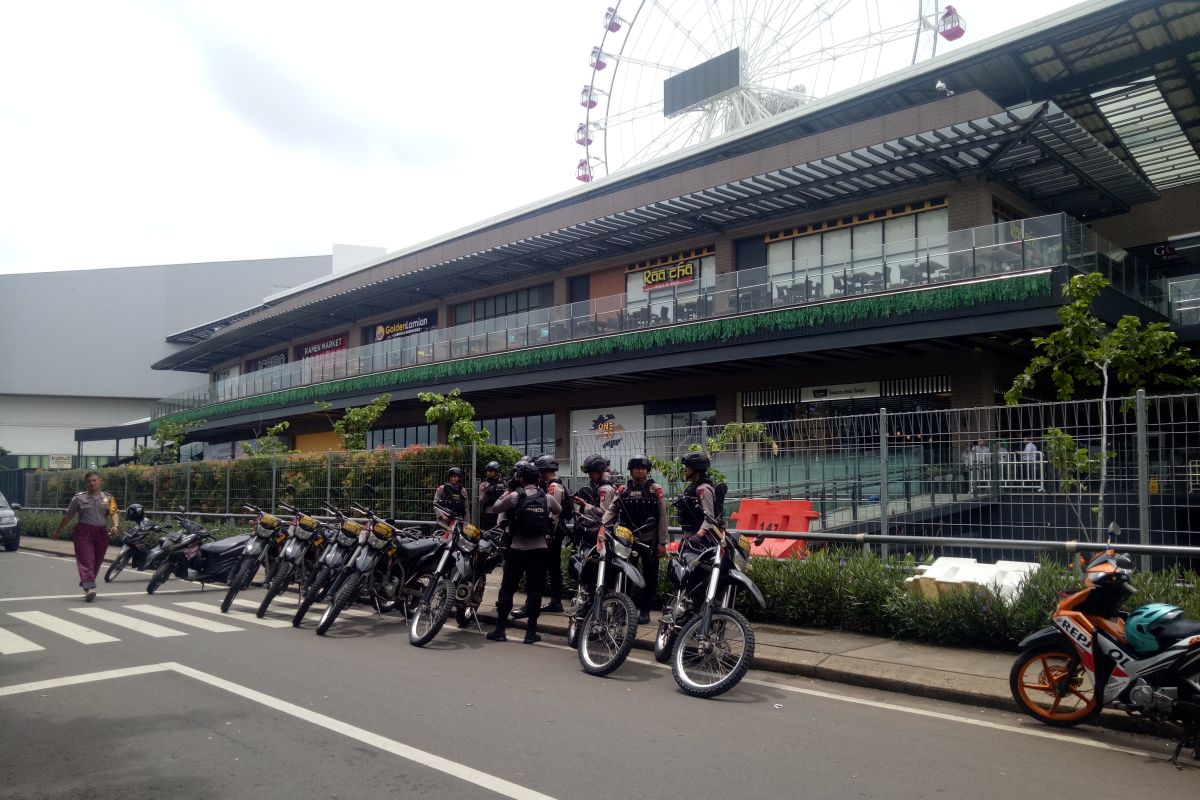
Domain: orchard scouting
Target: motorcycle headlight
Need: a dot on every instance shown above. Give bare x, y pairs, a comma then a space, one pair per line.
471, 533
307, 523
375, 541
467, 545
351, 528
622, 549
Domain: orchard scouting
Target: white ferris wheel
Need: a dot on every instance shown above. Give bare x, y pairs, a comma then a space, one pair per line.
666, 75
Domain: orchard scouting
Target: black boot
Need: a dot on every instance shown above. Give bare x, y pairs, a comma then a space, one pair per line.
498, 635
531, 634
555, 606
521, 613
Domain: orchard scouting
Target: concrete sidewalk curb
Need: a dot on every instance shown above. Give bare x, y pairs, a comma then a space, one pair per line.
917, 681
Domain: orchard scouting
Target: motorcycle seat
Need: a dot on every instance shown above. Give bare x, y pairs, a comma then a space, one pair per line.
222, 546
414, 550
1179, 628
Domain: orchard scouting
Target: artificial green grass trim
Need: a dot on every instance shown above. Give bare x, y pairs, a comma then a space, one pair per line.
861, 309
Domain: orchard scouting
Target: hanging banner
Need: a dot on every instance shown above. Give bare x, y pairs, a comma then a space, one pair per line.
840, 391
679, 274
401, 327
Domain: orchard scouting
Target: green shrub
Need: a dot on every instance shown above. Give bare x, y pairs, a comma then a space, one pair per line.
40, 524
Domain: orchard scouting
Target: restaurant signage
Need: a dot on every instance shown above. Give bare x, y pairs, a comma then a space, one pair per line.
840, 391
328, 344
665, 277
271, 360
401, 327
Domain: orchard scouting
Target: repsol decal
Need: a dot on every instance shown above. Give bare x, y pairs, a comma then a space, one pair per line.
1072, 630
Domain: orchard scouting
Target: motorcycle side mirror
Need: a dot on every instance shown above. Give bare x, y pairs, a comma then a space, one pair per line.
180, 510
1114, 530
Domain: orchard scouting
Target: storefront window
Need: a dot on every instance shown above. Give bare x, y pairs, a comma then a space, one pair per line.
502, 305
424, 435
531, 434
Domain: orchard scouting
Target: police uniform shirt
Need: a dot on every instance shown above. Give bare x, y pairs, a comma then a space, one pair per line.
92, 510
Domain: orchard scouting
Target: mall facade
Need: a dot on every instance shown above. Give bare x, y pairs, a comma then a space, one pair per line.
893, 246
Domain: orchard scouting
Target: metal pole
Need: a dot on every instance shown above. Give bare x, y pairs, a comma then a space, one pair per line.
392, 483
228, 483
187, 487
883, 480
329, 476
473, 489
1143, 476
154, 487
704, 437
274, 476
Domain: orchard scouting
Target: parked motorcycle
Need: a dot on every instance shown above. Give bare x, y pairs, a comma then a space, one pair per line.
603, 622
708, 643
385, 571
134, 549
188, 553
1145, 662
464, 558
298, 557
260, 549
342, 544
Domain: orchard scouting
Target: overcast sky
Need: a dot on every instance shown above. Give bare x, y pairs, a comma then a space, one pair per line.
165, 131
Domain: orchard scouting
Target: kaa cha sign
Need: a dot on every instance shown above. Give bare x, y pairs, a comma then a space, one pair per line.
666, 277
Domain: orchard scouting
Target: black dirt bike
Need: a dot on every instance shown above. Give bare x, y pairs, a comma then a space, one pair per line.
464, 556
603, 622
261, 549
134, 549
298, 557
341, 546
708, 643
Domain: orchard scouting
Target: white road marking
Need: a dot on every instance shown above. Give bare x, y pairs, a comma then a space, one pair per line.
443, 765
184, 619
11, 643
73, 680
42, 555
100, 595
240, 616
319, 608
132, 623
63, 627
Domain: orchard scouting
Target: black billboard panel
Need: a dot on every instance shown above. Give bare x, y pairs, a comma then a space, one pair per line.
696, 86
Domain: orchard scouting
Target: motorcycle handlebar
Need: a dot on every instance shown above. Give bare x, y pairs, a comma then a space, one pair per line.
360, 509
289, 509
252, 509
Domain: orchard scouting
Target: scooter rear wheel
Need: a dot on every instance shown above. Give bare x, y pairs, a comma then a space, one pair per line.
1048, 689
118, 564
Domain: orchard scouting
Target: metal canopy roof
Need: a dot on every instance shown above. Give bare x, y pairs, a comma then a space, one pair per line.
1034, 148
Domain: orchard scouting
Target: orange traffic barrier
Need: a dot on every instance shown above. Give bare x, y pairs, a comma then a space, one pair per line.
793, 516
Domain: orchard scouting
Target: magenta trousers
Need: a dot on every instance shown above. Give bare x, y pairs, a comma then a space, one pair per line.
91, 544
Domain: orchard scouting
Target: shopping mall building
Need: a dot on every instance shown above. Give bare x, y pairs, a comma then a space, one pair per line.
896, 245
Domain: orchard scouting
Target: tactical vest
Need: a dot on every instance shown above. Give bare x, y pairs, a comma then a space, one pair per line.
454, 499
691, 517
637, 506
590, 494
488, 498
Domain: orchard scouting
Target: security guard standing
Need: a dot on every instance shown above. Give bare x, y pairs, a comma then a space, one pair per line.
452, 495
642, 506
548, 477
594, 499
490, 490
699, 498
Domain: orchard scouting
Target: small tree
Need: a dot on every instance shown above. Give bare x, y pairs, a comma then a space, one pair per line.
672, 471
459, 416
269, 444
169, 436
354, 423
1087, 352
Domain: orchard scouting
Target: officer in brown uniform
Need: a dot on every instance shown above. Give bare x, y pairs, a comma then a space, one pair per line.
98, 518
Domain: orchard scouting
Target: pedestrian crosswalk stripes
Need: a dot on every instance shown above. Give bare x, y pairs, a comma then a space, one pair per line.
179, 617
240, 616
11, 643
132, 623
291, 601
63, 627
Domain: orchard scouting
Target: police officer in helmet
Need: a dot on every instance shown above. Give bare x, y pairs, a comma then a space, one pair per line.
594, 499
699, 498
490, 490
529, 510
641, 505
547, 468
452, 495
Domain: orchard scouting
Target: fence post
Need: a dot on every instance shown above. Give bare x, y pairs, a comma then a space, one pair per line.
883, 480
154, 487
274, 478
329, 476
187, 487
127, 500
473, 489
228, 483
704, 437
392, 483
1143, 476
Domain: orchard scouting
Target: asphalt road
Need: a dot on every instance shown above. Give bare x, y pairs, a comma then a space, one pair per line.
274, 712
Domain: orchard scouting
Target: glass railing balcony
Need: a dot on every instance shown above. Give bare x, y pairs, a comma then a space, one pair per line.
1185, 301
975, 253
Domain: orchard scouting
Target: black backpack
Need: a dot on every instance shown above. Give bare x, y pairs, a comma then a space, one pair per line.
531, 518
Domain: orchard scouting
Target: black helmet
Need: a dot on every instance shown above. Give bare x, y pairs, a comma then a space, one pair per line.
595, 464
454, 471
527, 473
697, 461
546, 464
135, 512
638, 462
492, 466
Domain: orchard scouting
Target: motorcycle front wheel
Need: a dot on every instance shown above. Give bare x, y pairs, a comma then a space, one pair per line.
160, 577
119, 563
713, 665
241, 578
430, 617
607, 634
573, 631
342, 600
664, 641
1048, 688
311, 594
283, 576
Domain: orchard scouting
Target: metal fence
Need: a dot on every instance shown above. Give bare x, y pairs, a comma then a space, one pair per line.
981, 473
